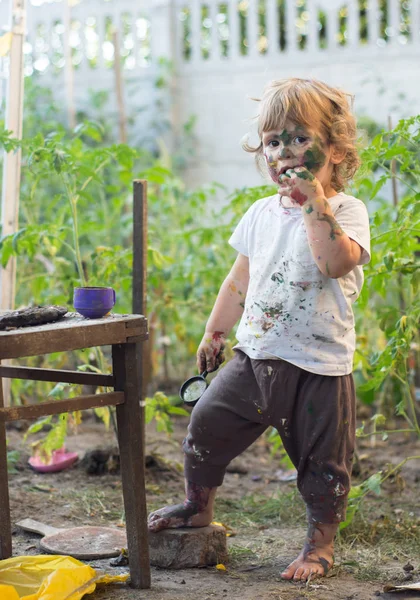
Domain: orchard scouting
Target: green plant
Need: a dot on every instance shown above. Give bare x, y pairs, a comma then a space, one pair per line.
160, 409
372, 484
390, 298
12, 458
388, 310
55, 438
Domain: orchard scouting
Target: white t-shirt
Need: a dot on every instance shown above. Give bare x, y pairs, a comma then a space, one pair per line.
293, 311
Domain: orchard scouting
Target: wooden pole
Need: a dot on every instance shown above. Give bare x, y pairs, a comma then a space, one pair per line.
131, 428
5, 524
393, 171
140, 272
68, 67
119, 88
139, 246
12, 160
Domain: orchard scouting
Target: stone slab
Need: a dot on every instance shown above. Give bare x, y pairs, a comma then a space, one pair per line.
188, 547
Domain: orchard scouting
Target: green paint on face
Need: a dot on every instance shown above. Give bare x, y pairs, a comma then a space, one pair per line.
314, 158
327, 268
286, 137
309, 209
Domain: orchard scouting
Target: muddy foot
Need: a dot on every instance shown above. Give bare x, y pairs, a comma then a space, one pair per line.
180, 515
315, 563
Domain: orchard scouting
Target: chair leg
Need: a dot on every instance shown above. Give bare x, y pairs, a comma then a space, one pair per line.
5, 526
131, 427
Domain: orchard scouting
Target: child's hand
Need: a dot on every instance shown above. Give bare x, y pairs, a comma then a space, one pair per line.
210, 351
300, 185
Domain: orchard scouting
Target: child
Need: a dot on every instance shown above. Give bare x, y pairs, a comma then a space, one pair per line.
298, 272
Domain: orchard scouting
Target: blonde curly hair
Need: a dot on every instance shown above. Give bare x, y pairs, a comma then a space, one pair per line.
318, 106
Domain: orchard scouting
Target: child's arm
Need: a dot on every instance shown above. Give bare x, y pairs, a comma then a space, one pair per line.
333, 251
227, 309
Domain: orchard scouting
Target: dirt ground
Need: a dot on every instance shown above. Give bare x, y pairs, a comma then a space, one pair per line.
266, 514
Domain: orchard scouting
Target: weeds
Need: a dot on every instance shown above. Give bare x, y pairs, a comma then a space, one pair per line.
94, 504
392, 536
237, 552
368, 572
256, 509
12, 459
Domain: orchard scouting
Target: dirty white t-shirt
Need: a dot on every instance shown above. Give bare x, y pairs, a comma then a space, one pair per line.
293, 311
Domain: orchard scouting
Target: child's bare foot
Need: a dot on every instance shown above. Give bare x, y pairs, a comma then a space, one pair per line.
311, 564
196, 511
317, 556
179, 515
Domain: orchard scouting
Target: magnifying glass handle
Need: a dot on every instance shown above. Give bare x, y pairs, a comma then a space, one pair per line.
204, 374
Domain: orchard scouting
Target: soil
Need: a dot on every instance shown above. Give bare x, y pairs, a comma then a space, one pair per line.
261, 547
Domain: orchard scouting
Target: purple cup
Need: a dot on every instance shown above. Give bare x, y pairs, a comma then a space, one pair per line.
93, 302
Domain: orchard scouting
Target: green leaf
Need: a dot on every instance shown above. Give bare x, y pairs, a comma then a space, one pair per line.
389, 260
90, 129
15, 239
56, 437
356, 491
58, 391
37, 426
176, 410
6, 250
360, 431
378, 419
89, 367
60, 159
378, 186
373, 483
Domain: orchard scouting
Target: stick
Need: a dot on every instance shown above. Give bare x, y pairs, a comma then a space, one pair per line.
119, 87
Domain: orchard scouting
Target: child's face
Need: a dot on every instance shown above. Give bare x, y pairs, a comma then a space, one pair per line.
296, 146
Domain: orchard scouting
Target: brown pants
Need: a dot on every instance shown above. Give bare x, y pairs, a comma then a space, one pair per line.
314, 414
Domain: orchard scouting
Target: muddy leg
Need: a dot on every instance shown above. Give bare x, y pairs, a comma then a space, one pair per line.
317, 556
195, 511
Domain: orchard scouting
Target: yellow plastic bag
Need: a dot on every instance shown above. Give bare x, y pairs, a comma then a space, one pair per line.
7, 592
49, 578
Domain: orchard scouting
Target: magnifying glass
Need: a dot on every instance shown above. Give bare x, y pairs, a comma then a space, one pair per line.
192, 389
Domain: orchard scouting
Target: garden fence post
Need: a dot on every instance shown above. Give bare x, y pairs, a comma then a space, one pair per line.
12, 160
68, 66
119, 87
140, 274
